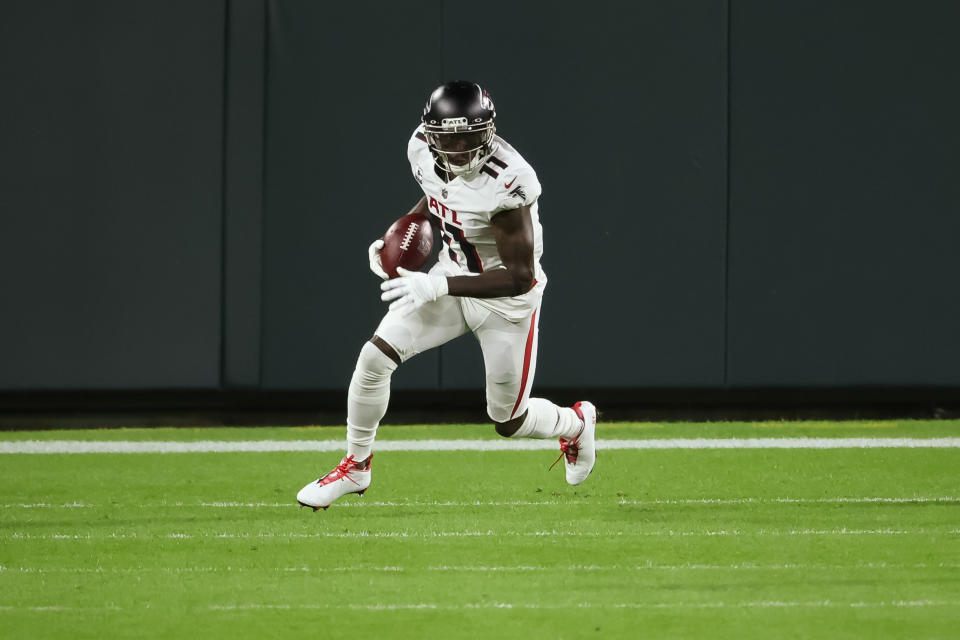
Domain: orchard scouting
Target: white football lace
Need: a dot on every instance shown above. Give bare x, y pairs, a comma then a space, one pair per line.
408, 236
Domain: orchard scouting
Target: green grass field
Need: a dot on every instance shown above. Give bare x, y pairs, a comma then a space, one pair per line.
679, 543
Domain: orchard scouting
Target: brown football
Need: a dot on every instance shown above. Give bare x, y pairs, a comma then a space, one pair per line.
407, 243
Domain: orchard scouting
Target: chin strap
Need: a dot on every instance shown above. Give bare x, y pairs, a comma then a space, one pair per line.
482, 157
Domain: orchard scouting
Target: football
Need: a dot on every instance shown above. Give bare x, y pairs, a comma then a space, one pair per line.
407, 243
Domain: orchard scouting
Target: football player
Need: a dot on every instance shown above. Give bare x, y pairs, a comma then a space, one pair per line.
483, 197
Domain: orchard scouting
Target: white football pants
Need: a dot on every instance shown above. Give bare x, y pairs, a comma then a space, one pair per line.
509, 356
509, 348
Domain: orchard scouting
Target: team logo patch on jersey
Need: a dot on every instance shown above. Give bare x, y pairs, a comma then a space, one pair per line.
419, 175
519, 192
443, 192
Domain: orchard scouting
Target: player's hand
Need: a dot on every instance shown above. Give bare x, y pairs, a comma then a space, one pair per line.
412, 289
374, 253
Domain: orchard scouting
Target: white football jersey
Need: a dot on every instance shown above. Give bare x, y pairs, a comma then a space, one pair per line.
464, 209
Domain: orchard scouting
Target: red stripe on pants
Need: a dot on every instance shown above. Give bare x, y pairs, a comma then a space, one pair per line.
527, 351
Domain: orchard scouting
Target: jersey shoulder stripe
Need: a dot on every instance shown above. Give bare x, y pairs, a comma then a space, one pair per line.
488, 167
419, 136
490, 171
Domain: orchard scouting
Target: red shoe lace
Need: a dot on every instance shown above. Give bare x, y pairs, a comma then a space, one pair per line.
569, 448
341, 471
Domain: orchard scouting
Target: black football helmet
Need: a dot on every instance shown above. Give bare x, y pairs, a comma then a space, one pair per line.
458, 125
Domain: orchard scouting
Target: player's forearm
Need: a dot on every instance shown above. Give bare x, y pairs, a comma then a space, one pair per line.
497, 283
420, 207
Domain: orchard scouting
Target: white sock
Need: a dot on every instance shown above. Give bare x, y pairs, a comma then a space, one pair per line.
547, 420
367, 400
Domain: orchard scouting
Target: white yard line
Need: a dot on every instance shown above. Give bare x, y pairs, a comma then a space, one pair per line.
223, 446
505, 503
834, 500
760, 604
575, 568
421, 535
55, 608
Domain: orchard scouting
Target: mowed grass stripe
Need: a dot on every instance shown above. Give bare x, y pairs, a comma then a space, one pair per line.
855, 543
262, 446
463, 431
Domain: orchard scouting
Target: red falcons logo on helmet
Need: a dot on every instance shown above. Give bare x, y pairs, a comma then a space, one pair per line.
485, 101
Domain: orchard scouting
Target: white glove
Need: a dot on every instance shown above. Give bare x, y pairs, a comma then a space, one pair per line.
374, 253
412, 289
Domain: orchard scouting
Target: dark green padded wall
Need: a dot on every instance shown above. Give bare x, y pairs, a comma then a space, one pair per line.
625, 124
620, 107
346, 83
845, 194
736, 194
110, 194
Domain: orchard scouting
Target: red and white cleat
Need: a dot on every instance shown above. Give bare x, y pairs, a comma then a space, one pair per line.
349, 476
581, 450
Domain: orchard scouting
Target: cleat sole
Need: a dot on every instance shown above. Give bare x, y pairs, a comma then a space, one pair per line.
315, 509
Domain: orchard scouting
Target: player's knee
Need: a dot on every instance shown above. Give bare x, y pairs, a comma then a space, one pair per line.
386, 348
373, 365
